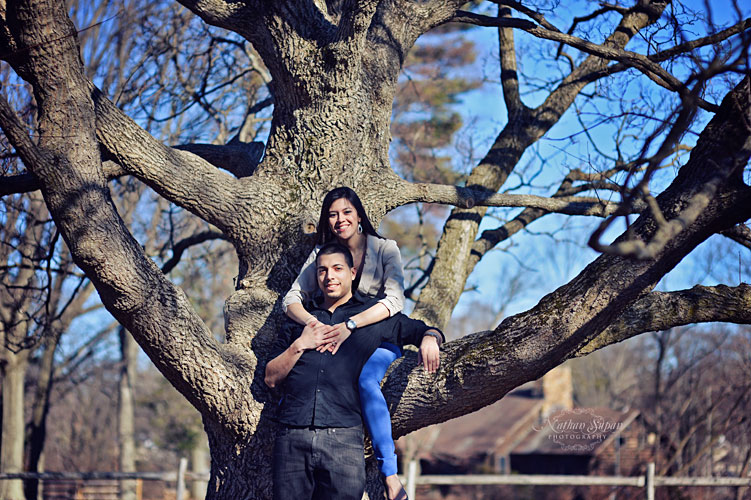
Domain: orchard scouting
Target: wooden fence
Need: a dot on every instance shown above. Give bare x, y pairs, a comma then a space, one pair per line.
103, 485
648, 481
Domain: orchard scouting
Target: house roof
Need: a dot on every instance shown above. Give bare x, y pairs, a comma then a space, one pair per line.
484, 430
513, 425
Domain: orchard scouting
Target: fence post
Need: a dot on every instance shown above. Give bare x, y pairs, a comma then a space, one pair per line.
181, 478
411, 479
650, 482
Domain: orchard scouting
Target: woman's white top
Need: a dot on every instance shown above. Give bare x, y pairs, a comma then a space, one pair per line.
382, 276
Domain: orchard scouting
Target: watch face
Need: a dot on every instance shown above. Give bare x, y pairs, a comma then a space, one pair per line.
351, 324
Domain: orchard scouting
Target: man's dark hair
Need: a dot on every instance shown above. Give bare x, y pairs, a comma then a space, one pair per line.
335, 247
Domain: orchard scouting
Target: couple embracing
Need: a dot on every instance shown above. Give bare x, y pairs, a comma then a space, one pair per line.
345, 328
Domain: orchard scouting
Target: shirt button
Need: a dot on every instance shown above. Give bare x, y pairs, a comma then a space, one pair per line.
318, 390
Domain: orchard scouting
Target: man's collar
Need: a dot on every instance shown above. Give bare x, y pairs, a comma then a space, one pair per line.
317, 301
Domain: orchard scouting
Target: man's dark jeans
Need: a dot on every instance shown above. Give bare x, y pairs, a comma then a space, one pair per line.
321, 463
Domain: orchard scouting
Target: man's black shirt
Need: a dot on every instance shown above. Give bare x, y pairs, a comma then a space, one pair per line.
321, 390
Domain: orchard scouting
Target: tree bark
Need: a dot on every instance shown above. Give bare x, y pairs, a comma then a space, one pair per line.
334, 71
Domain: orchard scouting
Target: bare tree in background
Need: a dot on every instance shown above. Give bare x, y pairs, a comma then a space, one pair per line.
333, 72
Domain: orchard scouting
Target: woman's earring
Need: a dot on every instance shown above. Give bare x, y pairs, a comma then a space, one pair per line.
359, 228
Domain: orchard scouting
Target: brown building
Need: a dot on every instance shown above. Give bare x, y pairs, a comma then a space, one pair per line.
533, 430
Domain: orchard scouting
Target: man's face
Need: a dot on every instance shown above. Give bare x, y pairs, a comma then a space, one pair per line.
334, 276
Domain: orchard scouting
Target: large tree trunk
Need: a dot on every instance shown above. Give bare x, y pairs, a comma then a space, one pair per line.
240, 465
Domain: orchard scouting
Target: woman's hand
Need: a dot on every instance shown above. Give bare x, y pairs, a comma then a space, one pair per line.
429, 354
313, 322
313, 336
338, 334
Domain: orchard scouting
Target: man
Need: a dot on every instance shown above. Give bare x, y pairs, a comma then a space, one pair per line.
319, 451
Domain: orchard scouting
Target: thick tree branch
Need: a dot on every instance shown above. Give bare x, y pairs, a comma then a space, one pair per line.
663, 310
179, 176
67, 161
21, 183
26, 183
238, 158
355, 19
509, 75
234, 16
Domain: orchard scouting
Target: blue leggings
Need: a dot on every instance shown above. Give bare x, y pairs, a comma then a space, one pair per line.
374, 408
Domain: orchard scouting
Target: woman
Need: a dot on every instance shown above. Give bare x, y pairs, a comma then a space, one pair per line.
379, 274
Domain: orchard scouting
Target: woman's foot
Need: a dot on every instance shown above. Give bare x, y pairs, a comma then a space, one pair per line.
394, 488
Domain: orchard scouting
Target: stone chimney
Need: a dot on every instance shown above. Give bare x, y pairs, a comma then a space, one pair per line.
557, 390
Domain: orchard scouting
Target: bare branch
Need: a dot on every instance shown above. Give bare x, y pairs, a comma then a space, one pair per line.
630, 59
533, 14
16, 134
723, 167
712, 39
467, 198
682, 48
490, 238
666, 231
740, 234
182, 245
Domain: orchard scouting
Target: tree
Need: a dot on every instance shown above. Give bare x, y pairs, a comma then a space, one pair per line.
334, 69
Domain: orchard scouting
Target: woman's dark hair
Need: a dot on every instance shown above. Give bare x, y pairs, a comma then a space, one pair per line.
324, 234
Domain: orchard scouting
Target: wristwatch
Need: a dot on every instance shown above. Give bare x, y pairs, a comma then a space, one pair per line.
351, 324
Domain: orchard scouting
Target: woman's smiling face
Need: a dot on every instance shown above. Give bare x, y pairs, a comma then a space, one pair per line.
343, 219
